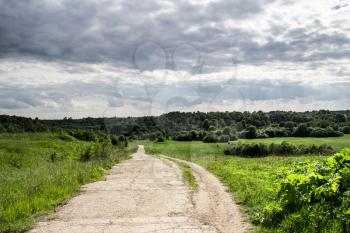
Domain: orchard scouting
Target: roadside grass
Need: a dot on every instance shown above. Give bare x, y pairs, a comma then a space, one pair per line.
189, 177
253, 181
41, 171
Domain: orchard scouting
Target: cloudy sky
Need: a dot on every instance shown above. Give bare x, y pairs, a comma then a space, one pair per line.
81, 58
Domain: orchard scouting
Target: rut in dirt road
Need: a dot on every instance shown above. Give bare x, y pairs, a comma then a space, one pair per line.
146, 194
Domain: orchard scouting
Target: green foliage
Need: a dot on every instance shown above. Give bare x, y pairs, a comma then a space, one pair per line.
210, 138
161, 138
84, 135
327, 132
272, 132
284, 149
124, 140
115, 140
190, 136
87, 154
302, 131
120, 141
346, 130
249, 133
14, 124
101, 150
65, 137
318, 193
267, 124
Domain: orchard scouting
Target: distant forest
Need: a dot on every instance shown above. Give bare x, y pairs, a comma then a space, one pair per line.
191, 126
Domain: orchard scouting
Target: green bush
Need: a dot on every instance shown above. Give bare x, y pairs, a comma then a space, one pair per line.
223, 138
160, 139
183, 137
101, 150
84, 135
327, 132
249, 133
87, 154
124, 140
346, 130
210, 138
276, 132
65, 137
285, 148
115, 140
313, 196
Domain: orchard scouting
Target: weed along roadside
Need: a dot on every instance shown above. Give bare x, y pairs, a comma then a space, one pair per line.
42, 171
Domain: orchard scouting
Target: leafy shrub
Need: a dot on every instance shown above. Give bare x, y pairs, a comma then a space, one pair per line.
160, 138
87, 154
84, 135
65, 137
124, 140
285, 148
103, 150
327, 132
249, 133
223, 138
314, 193
98, 151
302, 131
210, 138
276, 132
189, 136
346, 130
184, 137
212, 128
115, 140
233, 137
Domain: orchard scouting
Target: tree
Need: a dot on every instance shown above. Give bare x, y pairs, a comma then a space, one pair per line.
250, 132
2, 128
346, 129
302, 131
340, 118
227, 131
206, 124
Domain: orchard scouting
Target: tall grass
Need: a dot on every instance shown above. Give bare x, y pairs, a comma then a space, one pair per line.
41, 171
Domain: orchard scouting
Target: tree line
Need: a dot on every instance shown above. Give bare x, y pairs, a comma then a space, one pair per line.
190, 126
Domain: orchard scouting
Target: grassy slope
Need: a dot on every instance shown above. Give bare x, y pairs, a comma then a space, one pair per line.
31, 183
252, 181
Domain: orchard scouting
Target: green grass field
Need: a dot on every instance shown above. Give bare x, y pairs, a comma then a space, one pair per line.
41, 171
253, 181
337, 143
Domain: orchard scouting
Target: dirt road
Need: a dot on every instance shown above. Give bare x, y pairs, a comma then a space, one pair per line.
147, 194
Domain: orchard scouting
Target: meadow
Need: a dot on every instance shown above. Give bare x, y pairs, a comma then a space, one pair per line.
252, 181
338, 143
43, 170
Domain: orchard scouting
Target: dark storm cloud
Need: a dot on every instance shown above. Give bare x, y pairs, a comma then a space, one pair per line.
112, 30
